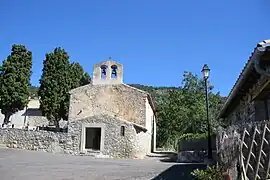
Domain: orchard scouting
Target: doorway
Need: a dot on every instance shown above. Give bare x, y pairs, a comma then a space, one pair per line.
92, 138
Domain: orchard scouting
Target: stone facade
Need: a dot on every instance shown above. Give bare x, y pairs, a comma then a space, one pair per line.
134, 144
116, 100
108, 96
250, 109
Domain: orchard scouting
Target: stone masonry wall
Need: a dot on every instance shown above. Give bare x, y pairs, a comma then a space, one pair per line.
116, 100
36, 140
249, 110
228, 149
228, 145
131, 145
134, 144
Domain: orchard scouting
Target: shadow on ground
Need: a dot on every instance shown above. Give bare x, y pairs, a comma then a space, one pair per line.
179, 172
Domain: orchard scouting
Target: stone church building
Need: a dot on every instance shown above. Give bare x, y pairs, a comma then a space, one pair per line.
112, 118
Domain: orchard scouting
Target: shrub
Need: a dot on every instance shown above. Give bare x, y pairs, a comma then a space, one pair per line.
190, 136
210, 173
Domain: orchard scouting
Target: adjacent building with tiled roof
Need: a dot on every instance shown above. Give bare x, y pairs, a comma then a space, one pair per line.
249, 98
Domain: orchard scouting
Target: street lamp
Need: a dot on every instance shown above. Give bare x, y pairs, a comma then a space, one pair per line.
206, 73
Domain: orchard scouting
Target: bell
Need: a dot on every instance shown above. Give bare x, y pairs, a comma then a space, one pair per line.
114, 72
103, 71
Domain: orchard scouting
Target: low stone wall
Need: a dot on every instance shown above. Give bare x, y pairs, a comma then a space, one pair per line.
196, 144
194, 150
36, 140
133, 144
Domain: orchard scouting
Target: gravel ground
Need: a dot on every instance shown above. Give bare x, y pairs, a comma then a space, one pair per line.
31, 165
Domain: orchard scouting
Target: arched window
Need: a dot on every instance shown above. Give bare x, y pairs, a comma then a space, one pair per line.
103, 69
114, 71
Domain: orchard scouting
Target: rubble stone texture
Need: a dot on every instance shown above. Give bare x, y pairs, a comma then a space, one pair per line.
117, 100
228, 149
133, 145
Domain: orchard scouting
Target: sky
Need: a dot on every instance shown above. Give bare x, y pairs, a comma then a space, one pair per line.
155, 40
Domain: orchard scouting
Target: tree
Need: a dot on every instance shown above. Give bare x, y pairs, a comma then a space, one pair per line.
184, 111
54, 85
77, 78
58, 78
15, 81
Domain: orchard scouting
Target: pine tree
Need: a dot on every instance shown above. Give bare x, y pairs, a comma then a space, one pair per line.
15, 81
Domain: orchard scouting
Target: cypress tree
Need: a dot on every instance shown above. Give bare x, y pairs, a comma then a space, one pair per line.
15, 81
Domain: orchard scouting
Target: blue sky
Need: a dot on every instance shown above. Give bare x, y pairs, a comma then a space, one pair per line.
155, 40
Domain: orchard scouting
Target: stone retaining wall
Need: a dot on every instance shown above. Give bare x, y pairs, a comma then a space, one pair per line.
133, 144
196, 144
36, 140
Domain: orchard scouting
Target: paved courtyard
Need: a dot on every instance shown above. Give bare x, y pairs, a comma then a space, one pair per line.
30, 165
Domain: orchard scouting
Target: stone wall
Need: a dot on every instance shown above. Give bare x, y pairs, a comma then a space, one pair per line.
228, 145
196, 144
36, 140
134, 144
228, 149
119, 100
248, 109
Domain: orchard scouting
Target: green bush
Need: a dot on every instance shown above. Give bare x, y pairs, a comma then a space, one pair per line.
190, 136
210, 173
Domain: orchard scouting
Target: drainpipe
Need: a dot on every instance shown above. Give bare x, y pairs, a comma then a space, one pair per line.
256, 58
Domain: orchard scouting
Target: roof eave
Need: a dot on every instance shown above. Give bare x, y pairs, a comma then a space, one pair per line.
255, 55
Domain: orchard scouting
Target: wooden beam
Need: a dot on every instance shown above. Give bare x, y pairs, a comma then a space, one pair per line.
260, 89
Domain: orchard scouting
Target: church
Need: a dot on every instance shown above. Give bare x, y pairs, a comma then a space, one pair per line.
110, 117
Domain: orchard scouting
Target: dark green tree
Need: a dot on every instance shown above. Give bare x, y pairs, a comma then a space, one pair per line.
15, 81
54, 85
77, 78
58, 78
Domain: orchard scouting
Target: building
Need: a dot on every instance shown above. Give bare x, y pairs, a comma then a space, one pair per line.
30, 116
110, 117
249, 99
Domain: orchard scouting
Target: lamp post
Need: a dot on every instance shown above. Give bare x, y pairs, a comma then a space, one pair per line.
206, 73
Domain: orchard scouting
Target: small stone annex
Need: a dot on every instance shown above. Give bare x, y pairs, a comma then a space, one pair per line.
106, 118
